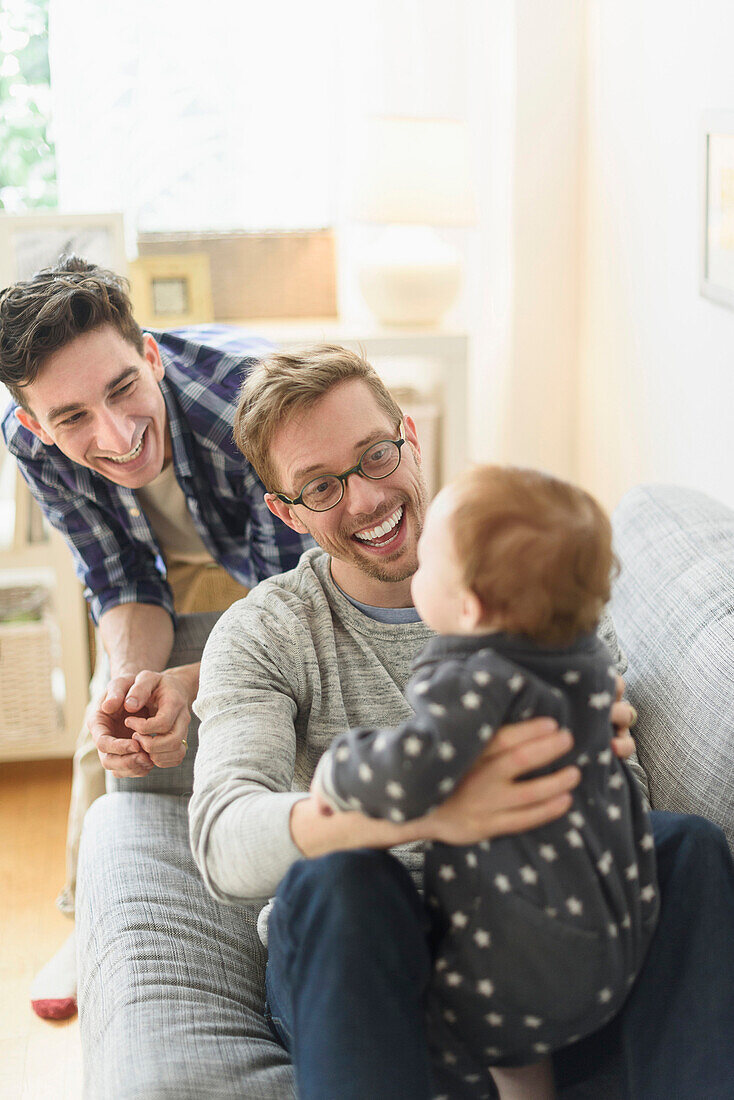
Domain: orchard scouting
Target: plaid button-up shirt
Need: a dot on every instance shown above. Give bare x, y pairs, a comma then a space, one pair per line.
115, 551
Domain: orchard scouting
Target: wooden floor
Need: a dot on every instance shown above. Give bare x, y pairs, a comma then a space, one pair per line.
39, 1059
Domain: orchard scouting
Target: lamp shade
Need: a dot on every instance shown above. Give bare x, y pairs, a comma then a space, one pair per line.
415, 171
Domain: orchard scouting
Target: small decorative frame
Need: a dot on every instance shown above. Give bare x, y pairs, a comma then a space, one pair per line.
717, 252
30, 242
171, 290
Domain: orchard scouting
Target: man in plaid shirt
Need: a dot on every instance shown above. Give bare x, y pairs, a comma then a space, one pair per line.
125, 440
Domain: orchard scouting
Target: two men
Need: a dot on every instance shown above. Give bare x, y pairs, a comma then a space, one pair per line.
125, 442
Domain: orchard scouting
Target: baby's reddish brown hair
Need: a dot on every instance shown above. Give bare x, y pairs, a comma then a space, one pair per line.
536, 551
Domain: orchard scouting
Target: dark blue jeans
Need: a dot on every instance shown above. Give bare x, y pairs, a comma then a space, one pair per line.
350, 960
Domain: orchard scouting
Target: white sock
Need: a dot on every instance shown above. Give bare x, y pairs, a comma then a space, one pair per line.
53, 990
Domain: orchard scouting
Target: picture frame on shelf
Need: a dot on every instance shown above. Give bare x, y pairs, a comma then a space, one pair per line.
171, 290
31, 242
717, 250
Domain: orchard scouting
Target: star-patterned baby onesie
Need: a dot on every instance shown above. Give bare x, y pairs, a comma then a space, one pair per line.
539, 936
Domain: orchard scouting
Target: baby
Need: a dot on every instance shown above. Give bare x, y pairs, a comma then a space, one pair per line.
537, 937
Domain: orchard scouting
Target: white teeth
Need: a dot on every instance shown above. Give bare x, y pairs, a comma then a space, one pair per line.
378, 532
131, 454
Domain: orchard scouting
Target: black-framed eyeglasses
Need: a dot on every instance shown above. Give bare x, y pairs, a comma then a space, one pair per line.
324, 492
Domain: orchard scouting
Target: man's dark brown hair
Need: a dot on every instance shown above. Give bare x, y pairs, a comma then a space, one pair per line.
44, 313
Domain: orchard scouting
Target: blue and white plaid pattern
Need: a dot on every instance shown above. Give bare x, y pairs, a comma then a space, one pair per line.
115, 552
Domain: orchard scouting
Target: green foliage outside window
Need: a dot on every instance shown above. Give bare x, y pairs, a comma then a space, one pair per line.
27, 155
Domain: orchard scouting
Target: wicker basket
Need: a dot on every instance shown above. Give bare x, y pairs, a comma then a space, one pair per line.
29, 714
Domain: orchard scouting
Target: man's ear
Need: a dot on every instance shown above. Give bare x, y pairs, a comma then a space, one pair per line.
410, 433
285, 512
28, 421
152, 353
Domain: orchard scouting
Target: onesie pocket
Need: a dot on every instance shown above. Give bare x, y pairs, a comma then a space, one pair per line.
543, 966
533, 977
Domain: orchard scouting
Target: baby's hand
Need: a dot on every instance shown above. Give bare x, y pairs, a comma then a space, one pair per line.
322, 806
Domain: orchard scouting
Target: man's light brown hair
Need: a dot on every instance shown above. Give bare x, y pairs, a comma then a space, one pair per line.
535, 550
43, 314
284, 383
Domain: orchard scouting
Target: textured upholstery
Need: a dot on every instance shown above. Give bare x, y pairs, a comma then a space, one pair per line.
673, 607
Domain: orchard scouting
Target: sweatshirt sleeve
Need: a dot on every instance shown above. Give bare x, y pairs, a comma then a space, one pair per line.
405, 772
242, 798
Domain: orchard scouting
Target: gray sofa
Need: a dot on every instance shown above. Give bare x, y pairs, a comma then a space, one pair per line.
170, 981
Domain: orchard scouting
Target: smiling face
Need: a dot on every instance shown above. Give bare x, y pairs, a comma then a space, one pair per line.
373, 532
99, 402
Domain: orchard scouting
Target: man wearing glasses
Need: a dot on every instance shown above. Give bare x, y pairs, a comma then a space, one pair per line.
328, 647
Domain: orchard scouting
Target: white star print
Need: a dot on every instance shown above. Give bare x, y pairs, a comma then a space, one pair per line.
365, 773
646, 842
613, 931
557, 692
481, 677
648, 893
551, 912
611, 671
576, 819
485, 987
441, 964
573, 836
449, 1058
446, 785
354, 803
449, 1016
527, 713
484, 845
616, 781
396, 815
541, 1048
438, 709
528, 874
515, 682
422, 687
614, 813
459, 919
604, 863
494, 1019
574, 906
548, 852
482, 938
626, 921
447, 872
471, 859
492, 1052
380, 742
412, 746
471, 1078
583, 759
605, 995
502, 883
471, 700
605, 757
446, 750
532, 1021
342, 753
600, 700
631, 872
454, 978
571, 677
484, 732
394, 790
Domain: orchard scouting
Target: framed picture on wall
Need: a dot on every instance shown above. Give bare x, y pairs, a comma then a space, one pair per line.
717, 252
30, 242
171, 290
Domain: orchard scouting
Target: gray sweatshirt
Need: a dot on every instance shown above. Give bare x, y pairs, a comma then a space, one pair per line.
283, 672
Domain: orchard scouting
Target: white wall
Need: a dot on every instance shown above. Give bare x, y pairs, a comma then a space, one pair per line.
657, 360
528, 80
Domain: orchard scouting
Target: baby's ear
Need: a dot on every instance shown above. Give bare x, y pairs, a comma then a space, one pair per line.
472, 610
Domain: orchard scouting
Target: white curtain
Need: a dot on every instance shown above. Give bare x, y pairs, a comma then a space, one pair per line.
225, 115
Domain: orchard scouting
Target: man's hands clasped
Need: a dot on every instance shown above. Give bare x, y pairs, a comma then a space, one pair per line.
142, 720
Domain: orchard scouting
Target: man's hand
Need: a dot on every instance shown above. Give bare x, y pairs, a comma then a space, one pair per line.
493, 800
142, 720
624, 717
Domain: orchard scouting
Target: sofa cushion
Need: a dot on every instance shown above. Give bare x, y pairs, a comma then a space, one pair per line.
171, 983
673, 606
